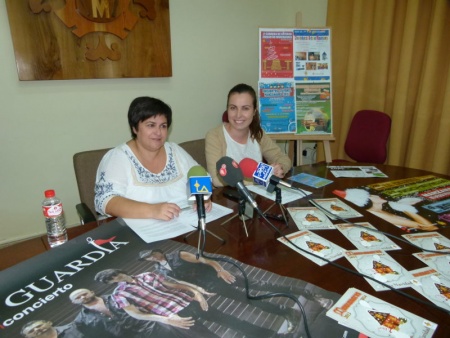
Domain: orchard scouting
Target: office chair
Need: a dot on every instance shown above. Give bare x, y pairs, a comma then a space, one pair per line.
196, 148
367, 136
85, 164
225, 116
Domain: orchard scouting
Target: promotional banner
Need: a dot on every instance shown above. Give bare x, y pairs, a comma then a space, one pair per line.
300, 59
110, 283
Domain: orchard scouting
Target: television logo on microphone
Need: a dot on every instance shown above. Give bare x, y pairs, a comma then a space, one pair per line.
262, 174
200, 185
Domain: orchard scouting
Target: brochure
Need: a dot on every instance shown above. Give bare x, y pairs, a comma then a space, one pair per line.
313, 246
376, 318
310, 218
439, 262
433, 286
356, 171
380, 266
363, 237
335, 207
310, 180
429, 241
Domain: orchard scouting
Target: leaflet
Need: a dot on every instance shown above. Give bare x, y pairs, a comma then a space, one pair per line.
433, 286
363, 236
381, 267
439, 262
310, 218
376, 318
429, 241
356, 171
313, 247
335, 207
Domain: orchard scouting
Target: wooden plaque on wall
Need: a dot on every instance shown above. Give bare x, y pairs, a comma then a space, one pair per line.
90, 39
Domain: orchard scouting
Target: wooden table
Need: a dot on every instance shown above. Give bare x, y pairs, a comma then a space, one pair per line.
262, 249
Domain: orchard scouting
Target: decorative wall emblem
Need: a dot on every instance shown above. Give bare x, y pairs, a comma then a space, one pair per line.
80, 38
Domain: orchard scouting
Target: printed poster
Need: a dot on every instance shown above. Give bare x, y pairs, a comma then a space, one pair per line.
57, 289
276, 54
298, 58
277, 107
412, 204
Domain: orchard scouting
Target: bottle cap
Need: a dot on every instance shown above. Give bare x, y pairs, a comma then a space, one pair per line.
49, 193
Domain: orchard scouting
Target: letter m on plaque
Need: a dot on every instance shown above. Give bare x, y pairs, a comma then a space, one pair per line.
84, 39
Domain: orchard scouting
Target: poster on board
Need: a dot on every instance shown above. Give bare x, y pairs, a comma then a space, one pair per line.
300, 59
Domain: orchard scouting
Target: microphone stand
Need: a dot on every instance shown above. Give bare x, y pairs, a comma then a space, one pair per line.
201, 227
199, 235
241, 213
278, 202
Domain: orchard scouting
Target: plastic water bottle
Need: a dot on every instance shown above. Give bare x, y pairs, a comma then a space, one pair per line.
54, 219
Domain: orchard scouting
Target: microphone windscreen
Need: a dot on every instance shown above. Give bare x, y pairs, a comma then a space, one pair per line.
197, 170
229, 170
248, 167
199, 182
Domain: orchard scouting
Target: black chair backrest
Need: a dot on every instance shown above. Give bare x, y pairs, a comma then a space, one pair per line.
85, 164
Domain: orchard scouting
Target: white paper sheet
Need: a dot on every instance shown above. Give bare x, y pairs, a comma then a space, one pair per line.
151, 230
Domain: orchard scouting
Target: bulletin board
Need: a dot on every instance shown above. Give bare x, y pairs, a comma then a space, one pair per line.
295, 81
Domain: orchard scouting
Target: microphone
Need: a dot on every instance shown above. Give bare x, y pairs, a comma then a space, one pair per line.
262, 174
199, 183
200, 188
229, 170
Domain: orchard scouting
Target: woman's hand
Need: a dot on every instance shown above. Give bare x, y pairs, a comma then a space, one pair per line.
165, 211
278, 170
208, 205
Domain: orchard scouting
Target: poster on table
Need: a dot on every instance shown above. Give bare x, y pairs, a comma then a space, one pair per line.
300, 59
412, 204
92, 285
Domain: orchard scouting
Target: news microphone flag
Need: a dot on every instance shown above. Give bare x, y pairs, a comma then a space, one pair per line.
262, 174
199, 182
259, 171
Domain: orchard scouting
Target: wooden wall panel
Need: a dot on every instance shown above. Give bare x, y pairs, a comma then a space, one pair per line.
86, 39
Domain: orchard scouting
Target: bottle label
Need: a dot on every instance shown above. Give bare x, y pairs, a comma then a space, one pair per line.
52, 210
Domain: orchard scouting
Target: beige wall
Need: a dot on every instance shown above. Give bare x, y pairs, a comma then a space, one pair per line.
43, 123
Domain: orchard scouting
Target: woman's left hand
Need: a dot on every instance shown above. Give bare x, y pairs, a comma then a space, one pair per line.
208, 205
278, 170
